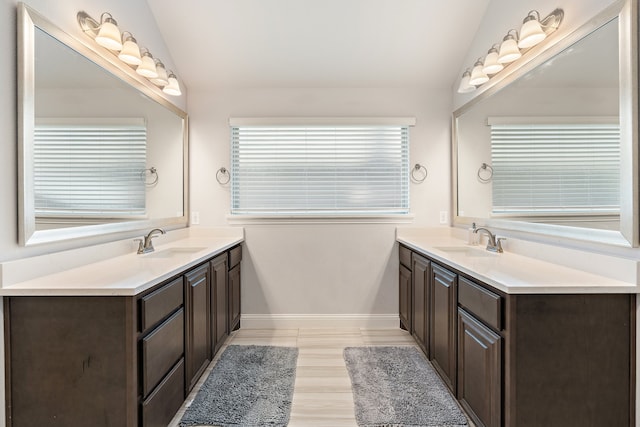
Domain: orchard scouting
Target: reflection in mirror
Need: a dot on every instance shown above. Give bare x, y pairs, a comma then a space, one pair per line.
552, 140
98, 154
554, 145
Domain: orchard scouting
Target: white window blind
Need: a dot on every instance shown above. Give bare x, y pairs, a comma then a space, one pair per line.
556, 169
88, 169
320, 170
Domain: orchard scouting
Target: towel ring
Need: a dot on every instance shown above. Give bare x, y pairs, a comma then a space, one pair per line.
221, 174
152, 173
421, 172
486, 178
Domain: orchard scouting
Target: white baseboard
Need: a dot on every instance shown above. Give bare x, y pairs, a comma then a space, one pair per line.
314, 321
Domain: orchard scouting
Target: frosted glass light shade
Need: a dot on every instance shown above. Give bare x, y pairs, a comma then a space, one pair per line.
162, 78
109, 35
491, 64
465, 86
509, 51
147, 67
531, 33
173, 88
130, 53
478, 76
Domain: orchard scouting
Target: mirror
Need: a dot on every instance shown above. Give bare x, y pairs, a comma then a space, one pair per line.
550, 148
100, 151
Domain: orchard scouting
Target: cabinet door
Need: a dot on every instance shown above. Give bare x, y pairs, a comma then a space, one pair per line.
198, 332
421, 278
219, 301
405, 298
443, 314
234, 298
479, 371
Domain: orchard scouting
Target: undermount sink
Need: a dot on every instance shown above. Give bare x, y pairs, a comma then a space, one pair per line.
465, 250
171, 252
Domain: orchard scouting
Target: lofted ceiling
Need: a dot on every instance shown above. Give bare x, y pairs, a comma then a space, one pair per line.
318, 43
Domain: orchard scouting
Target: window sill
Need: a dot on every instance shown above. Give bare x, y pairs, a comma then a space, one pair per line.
320, 219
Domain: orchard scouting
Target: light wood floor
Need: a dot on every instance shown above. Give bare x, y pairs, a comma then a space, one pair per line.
322, 394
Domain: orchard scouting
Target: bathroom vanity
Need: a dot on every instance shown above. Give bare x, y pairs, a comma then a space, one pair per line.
519, 341
106, 352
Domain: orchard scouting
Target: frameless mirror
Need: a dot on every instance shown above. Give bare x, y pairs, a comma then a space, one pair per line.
551, 148
99, 152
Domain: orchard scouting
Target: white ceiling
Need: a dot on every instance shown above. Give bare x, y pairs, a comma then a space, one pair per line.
318, 43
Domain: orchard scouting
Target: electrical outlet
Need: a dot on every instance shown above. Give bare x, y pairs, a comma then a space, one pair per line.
444, 219
195, 218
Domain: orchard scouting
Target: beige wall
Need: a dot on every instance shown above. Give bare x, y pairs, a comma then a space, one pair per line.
328, 268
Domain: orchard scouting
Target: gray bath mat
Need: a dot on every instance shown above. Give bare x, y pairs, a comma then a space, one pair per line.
396, 386
249, 386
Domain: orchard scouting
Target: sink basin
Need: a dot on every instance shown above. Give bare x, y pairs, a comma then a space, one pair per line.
465, 250
171, 252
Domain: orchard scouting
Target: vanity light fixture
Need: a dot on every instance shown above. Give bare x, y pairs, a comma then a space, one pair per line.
465, 86
130, 53
533, 31
509, 50
147, 67
491, 64
125, 47
478, 76
162, 79
108, 33
173, 88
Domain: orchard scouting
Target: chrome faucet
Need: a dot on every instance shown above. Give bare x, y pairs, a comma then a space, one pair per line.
145, 246
493, 244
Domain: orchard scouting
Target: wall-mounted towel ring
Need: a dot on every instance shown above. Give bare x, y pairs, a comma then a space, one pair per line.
487, 175
419, 173
223, 176
149, 176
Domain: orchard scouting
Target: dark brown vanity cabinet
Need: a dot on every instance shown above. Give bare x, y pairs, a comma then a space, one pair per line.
161, 346
479, 370
480, 353
420, 288
428, 310
443, 308
405, 288
198, 327
105, 361
235, 256
70, 361
530, 360
220, 301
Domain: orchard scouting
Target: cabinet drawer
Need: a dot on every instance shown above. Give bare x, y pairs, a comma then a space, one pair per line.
235, 256
405, 256
484, 304
160, 303
160, 407
161, 349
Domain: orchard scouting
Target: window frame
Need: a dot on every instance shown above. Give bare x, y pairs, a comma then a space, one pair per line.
314, 217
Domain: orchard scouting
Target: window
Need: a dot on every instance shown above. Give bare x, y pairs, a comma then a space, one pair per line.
320, 169
87, 168
556, 169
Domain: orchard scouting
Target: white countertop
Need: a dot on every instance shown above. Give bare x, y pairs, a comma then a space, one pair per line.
128, 274
509, 272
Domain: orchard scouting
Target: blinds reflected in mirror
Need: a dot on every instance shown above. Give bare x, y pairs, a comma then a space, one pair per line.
556, 169
89, 168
